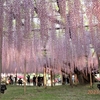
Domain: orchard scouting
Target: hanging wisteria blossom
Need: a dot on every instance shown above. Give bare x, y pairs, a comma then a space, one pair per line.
57, 34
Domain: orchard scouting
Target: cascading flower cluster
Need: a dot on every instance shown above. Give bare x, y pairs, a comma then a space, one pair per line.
58, 34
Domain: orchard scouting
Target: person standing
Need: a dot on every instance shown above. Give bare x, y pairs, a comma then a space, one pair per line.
28, 79
34, 80
15, 79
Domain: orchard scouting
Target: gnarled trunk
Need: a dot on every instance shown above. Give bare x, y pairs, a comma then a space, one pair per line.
85, 78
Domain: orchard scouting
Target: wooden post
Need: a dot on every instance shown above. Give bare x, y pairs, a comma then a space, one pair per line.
70, 78
61, 77
76, 79
90, 79
54, 71
51, 78
1, 31
54, 78
0, 57
98, 55
25, 76
45, 77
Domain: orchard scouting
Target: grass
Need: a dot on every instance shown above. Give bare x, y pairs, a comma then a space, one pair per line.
64, 92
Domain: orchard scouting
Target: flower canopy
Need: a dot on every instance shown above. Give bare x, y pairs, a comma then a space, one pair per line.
57, 34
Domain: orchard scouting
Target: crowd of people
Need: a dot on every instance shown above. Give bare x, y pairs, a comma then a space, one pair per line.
35, 80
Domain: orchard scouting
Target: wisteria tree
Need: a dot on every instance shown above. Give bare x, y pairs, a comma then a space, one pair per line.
57, 34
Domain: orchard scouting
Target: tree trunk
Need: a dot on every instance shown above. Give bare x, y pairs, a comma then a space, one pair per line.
85, 79
70, 79
80, 78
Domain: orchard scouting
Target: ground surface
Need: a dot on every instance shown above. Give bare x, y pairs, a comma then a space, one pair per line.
64, 92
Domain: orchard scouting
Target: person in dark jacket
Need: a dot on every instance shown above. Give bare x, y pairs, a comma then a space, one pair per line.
34, 80
28, 79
